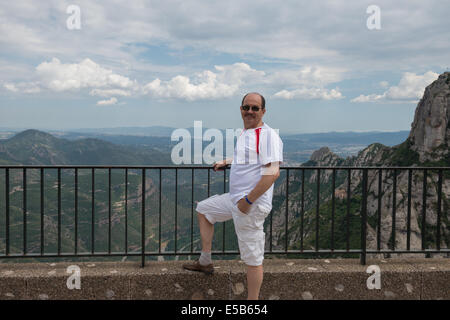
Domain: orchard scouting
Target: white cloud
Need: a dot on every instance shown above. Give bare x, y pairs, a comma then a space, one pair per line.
223, 83
111, 101
11, 87
30, 88
238, 73
310, 93
369, 98
410, 88
384, 84
307, 83
58, 76
307, 76
110, 92
23, 87
227, 80
180, 87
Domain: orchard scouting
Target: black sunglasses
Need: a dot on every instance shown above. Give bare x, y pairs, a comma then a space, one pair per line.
254, 108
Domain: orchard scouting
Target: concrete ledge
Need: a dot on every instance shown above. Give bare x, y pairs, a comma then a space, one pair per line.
283, 279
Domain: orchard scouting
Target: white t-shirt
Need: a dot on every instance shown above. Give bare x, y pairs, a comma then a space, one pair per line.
254, 149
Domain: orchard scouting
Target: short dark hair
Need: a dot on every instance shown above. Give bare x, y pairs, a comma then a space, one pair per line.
263, 101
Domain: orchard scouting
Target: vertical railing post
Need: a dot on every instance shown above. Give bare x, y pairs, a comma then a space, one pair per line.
176, 209
424, 208
126, 210
317, 209
209, 178
42, 209
394, 209
333, 207
59, 211
143, 220
302, 210
287, 211
7, 210
380, 194
24, 201
223, 223
109, 210
159, 220
93, 212
76, 210
408, 215
364, 218
348, 209
192, 211
439, 203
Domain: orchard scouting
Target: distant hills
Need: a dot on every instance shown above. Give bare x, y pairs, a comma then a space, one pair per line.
155, 131
366, 138
41, 148
153, 144
164, 131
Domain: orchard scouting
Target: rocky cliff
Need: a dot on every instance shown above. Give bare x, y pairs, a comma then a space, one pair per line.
430, 131
428, 144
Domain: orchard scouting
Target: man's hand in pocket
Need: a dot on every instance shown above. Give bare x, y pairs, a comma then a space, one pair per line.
243, 206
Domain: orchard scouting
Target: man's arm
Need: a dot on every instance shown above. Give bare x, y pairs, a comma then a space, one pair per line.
270, 175
223, 163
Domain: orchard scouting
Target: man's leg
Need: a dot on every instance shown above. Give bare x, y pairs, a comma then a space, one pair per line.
204, 263
209, 211
251, 238
206, 232
254, 281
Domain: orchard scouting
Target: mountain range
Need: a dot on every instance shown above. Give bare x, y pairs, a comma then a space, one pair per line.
41, 148
428, 144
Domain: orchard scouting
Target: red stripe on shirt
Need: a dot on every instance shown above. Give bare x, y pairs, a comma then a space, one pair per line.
257, 131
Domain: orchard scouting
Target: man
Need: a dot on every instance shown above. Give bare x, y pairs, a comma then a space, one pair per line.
254, 169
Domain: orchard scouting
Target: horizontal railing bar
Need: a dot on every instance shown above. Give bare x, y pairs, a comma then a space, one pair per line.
406, 251
116, 254
69, 255
220, 252
205, 167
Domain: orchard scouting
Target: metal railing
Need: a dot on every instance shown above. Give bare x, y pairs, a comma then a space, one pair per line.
292, 194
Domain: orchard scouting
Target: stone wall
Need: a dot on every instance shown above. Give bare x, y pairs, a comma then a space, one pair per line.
283, 279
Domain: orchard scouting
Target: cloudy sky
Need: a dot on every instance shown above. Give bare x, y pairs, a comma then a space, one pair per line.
322, 66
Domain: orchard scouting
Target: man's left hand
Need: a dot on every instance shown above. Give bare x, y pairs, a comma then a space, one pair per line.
243, 206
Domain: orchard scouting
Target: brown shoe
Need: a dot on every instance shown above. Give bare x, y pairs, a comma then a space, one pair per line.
196, 266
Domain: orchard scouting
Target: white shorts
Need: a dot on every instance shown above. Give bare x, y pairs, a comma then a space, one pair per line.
249, 227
